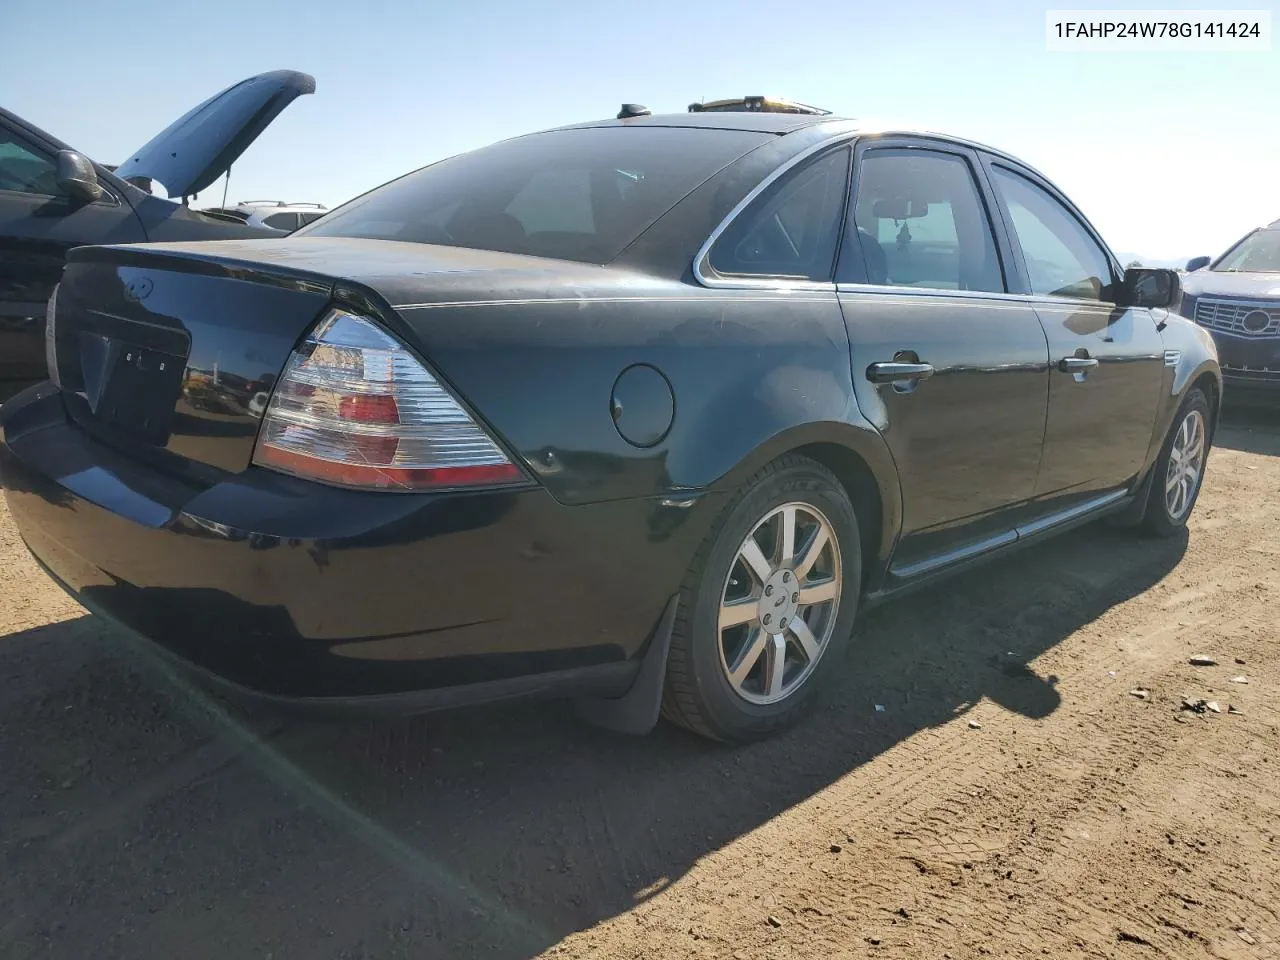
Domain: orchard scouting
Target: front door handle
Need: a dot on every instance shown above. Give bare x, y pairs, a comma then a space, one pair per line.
894, 371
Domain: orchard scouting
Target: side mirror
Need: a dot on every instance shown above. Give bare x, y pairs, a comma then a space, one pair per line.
1197, 263
1144, 287
77, 177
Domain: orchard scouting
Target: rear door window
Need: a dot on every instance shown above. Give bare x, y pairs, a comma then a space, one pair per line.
922, 222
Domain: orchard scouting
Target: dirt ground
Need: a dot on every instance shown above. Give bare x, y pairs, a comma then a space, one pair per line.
981, 783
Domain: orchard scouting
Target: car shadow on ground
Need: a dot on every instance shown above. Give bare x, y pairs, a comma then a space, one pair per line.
145, 819
1250, 428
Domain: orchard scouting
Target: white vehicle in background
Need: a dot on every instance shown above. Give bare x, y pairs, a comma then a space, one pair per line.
276, 214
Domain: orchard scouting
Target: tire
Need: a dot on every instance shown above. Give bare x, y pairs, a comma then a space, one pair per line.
699, 693
1163, 518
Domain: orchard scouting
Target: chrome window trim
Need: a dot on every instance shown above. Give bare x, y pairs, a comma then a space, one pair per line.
1030, 299
765, 281
1077, 303
889, 289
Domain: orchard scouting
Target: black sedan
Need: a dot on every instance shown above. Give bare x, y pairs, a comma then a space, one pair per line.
640, 412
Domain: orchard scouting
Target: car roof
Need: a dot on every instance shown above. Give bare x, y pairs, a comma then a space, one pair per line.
750, 121
782, 124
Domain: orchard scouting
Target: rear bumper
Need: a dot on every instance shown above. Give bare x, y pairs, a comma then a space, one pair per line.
300, 592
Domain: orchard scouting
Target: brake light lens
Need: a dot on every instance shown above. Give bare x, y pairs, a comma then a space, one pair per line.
356, 409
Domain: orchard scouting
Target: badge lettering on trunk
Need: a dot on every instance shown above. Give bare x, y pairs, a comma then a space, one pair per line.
138, 289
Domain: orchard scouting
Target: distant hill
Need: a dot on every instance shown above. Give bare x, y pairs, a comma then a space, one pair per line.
1127, 258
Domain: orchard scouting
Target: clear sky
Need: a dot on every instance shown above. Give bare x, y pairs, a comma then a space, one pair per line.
1170, 155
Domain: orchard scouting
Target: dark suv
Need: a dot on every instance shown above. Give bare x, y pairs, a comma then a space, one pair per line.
53, 198
1237, 298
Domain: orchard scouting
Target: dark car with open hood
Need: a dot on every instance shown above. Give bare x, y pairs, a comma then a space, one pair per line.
641, 412
53, 198
1237, 299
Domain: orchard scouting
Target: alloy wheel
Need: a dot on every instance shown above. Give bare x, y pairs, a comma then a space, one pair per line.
1186, 463
779, 603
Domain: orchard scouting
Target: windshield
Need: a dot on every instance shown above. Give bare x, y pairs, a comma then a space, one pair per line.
581, 194
1257, 253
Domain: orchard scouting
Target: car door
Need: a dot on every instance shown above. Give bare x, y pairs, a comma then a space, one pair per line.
39, 223
949, 366
1107, 361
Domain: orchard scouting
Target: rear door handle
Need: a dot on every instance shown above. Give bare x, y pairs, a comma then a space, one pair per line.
894, 371
1077, 364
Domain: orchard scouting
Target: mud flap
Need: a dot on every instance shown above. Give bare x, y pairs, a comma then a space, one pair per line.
1136, 511
636, 711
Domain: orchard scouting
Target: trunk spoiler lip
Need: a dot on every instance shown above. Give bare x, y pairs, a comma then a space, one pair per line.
340, 291
142, 255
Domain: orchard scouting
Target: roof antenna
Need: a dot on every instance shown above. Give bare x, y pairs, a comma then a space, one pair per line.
630, 110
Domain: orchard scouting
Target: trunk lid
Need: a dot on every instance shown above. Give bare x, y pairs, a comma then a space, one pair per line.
200, 146
169, 351
171, 359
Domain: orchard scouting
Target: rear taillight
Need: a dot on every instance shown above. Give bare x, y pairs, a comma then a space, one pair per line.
355, 408
51, 338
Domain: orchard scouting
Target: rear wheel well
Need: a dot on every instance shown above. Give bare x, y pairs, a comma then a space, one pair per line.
864, 493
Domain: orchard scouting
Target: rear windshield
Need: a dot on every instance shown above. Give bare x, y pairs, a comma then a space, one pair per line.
567, 194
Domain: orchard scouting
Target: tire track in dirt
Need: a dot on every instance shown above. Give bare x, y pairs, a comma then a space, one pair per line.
1064, 813
1077, 820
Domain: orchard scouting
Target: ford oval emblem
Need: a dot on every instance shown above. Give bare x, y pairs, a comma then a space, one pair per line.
138, 289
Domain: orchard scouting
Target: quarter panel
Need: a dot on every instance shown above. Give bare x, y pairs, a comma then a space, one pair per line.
745, 368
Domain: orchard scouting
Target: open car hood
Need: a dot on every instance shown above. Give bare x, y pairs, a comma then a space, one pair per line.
200, 146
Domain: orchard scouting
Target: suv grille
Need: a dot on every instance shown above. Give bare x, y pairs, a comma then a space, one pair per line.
1246, 318
1236, 372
